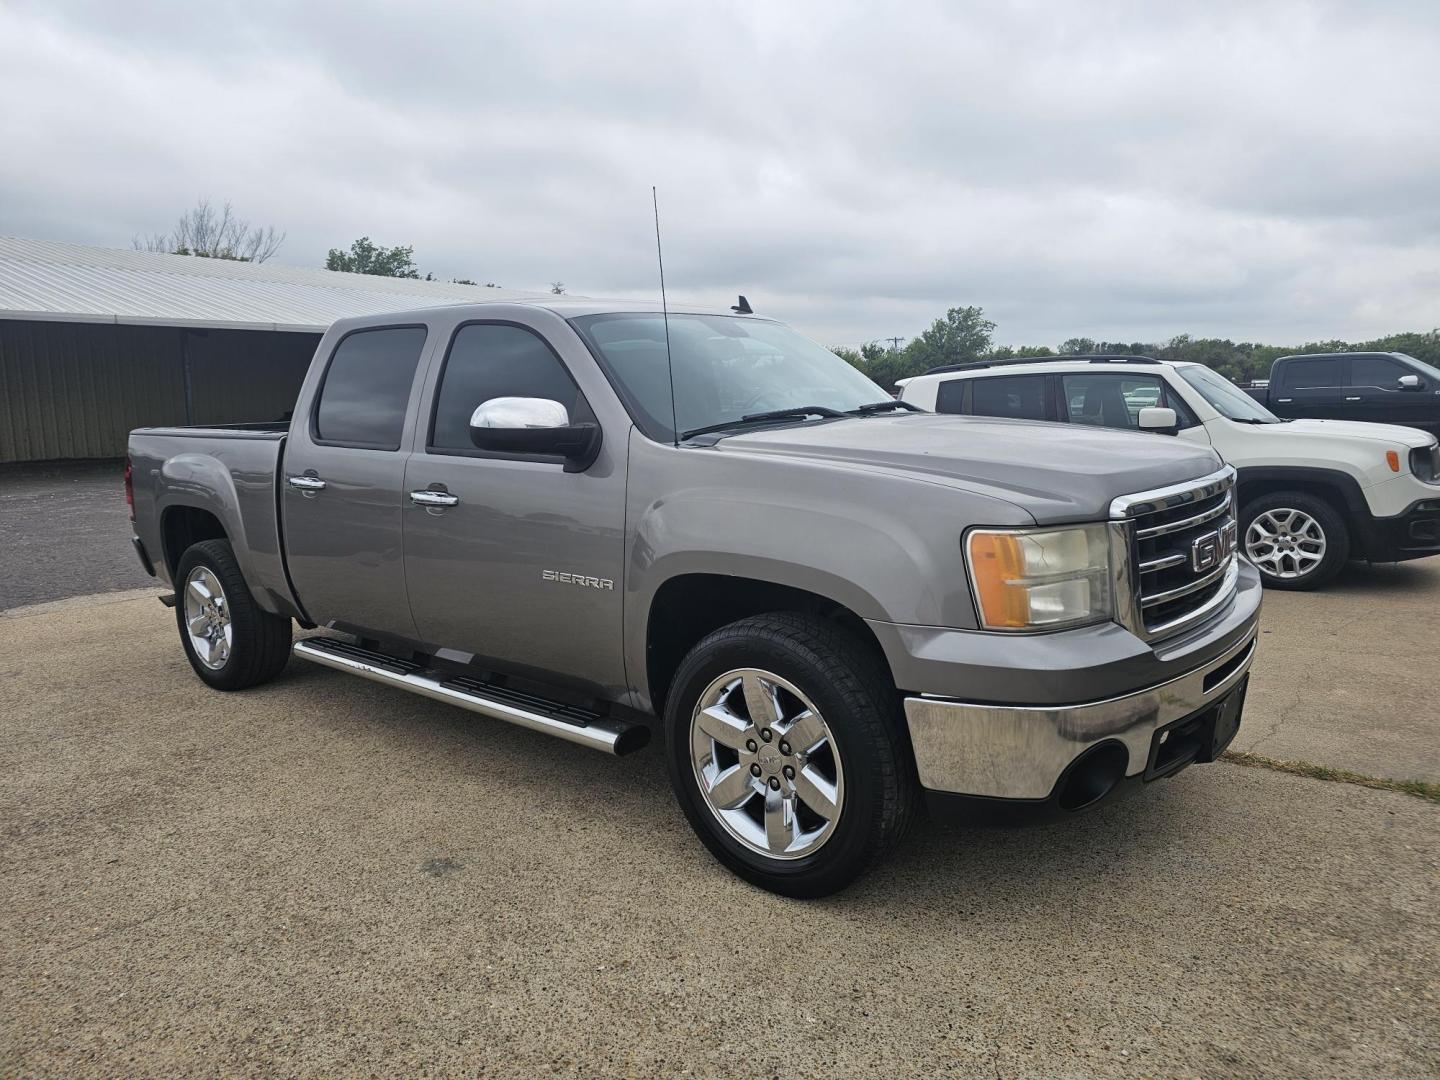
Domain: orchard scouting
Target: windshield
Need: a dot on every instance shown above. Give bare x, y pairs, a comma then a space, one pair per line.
725, 368
1226, 398
1428, 369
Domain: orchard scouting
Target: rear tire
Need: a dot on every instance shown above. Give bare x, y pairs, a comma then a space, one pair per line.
230, 642
1296, 540
818, 813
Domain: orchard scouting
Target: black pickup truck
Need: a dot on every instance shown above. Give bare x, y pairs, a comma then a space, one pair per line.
1383, 388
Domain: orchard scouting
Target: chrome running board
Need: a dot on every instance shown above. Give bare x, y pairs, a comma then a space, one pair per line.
567, 722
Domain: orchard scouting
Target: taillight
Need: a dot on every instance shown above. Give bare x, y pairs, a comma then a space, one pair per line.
129, 490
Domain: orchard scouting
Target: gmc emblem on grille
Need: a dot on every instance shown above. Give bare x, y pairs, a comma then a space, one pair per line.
1211, 549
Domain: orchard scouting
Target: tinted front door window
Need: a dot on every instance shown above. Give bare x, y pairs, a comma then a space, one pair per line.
1377, 372
491, 360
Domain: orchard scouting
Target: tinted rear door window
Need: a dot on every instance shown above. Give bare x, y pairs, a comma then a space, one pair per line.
367, 388
491, 360
1314, 374
1019, 397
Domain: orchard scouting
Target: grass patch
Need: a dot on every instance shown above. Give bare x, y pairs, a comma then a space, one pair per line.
1418, 788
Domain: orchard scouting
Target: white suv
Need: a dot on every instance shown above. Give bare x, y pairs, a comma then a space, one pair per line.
1312, 493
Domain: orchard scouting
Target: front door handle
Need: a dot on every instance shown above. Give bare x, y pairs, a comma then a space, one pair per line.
433, 498
306, 483
1352, 399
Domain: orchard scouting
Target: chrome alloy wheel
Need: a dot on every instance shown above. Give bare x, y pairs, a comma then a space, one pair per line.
1285, 543
207, 618
766, 764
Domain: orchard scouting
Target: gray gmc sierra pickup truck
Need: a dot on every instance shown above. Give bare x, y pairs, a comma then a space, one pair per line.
831, 604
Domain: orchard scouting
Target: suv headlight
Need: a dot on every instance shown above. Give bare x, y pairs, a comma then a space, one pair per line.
1425, 463
1040, 579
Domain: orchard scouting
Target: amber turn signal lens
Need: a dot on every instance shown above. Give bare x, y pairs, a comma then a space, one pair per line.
997, 562
1393, 460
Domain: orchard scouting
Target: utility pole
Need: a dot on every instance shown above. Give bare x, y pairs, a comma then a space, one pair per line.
894, 343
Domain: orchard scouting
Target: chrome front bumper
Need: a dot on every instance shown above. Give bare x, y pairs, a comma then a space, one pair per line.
1019, 752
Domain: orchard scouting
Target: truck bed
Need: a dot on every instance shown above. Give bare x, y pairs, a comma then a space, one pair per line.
276, 429
186, 479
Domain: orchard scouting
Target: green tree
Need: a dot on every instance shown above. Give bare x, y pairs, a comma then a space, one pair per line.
365, 258
1077, 346
961, 337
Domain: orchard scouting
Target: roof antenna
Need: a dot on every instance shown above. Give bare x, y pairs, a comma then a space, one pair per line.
665, 311
743, 307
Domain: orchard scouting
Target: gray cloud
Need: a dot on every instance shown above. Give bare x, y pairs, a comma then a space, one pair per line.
1265, 171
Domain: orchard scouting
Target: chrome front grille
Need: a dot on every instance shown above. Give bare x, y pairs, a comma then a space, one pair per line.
1178, 548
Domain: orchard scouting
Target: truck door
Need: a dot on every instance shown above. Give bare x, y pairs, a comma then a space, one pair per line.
1374, 392
343, 483
508, 557
1310, 388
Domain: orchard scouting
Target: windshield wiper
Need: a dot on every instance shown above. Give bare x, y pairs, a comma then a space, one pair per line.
884, 406
799, 412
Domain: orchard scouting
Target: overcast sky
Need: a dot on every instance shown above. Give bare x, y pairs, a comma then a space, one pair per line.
1124, 171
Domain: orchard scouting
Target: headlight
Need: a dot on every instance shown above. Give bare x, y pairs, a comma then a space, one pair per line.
1425, 463
1040, 579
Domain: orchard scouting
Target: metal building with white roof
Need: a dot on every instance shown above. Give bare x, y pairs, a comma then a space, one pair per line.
97, 341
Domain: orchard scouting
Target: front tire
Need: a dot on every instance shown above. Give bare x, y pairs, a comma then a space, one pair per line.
787, 753
230, 641
1296, 541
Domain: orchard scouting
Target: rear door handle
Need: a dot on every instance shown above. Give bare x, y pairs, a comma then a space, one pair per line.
306, 483
433, 498
1352, 399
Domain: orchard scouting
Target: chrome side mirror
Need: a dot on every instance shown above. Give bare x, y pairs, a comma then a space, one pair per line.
1155, 418
519, 412
1409, 382
539, 426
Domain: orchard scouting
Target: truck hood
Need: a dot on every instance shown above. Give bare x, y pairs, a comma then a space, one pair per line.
1054, 472
1392, 434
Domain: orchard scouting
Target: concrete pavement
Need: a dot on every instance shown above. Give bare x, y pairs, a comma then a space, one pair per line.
325, 876
1347, 676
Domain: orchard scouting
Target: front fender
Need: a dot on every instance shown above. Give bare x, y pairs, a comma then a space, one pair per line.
886, 547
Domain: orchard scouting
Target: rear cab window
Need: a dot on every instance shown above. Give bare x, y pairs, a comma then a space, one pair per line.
365, 393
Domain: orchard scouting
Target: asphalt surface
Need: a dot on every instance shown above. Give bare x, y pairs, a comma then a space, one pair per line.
64, 531
324, 876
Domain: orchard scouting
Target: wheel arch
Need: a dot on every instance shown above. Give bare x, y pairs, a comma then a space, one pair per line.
1341, 490
688, 606
181, 526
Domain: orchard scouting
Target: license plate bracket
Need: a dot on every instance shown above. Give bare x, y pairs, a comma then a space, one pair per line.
1200, 737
